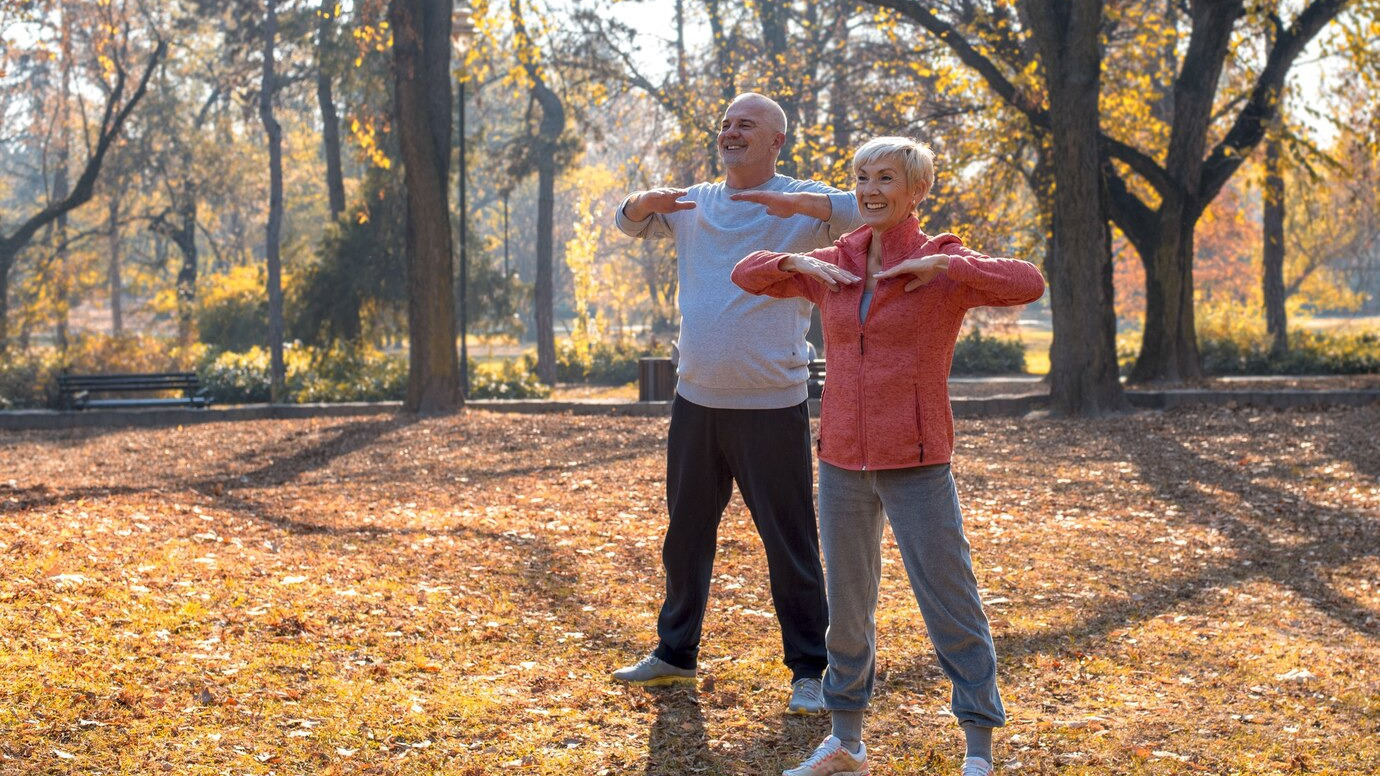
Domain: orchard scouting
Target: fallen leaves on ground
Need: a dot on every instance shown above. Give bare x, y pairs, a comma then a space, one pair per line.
1181, 592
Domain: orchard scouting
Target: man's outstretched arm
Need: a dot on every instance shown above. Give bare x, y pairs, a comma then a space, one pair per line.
784, 204
641, 205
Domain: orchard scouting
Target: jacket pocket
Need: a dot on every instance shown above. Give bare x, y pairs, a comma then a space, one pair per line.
919, 423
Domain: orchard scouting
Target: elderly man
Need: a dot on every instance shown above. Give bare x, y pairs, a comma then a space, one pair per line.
740, 411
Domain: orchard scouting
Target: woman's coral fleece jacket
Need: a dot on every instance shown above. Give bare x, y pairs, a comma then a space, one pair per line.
886, 397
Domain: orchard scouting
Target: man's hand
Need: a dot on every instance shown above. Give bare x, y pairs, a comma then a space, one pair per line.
784, 204
924, 269
663, 200
823, 271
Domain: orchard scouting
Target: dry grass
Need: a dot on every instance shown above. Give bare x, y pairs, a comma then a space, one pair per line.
1171, 593
568, 391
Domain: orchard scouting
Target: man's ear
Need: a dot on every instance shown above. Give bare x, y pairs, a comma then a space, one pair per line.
779, 141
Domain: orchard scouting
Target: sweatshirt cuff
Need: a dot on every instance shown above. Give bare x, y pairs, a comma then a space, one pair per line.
625, 224
844, 213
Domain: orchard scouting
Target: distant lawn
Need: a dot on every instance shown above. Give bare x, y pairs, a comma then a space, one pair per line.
1340, 325
1037, 342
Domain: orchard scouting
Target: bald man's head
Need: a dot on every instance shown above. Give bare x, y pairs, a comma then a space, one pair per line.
771, 110
751, 136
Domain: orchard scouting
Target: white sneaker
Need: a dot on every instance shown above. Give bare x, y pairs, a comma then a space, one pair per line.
975, 766
831, 758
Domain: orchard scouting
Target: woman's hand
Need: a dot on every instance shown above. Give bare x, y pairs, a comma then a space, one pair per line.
823, 271
924, 269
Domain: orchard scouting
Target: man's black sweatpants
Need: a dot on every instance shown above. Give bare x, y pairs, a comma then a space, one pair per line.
768, 453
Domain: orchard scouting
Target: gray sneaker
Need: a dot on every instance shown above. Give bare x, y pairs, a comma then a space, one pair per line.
807, 697
652, 671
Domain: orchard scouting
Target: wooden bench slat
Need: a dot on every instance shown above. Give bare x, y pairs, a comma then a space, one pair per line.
75, 391
129, 386
113, 403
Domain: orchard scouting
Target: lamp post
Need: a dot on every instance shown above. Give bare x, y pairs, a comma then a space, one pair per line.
464, 27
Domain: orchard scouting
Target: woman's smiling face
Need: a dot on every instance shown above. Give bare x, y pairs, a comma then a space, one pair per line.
885, 196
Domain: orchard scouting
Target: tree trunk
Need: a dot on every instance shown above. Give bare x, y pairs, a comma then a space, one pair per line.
1083, 368
278, 382
185, 240
61, 189
117, 318
6, 261
1276, 317
725, 74
463, 295
422, 111
330, 123
183, 235
58, 235
682, 75
838, 86
548, 135
545, 286
782, 84
1169, 348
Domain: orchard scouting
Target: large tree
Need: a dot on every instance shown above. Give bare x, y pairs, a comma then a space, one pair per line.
118, 105
274, 228
1158, 210
422, 116
1083, 368
326, 54
1272, 253
1186, 175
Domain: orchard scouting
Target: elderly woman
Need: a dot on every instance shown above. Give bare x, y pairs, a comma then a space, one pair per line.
892, 300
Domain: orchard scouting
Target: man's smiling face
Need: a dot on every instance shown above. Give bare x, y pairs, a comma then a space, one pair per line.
748, 135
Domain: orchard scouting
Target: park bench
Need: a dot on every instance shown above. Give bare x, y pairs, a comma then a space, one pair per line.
76, 391
816, 379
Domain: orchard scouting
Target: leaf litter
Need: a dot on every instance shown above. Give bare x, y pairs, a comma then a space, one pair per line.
1190, 591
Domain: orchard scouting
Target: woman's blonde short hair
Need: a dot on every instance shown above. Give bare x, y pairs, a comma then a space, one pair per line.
914, 157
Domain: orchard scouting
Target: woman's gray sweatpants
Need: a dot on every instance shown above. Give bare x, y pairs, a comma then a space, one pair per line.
922, 504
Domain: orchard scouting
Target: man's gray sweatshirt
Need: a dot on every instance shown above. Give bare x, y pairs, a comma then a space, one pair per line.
737, 350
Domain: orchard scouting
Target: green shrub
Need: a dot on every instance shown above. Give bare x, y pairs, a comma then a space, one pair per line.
1309, 353
350, 373
975, 354
336, 374
236, 378
27, 380
602, 363
232, 310
341, 373
508, 379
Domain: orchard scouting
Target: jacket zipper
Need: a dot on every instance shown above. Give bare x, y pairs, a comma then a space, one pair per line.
862, 358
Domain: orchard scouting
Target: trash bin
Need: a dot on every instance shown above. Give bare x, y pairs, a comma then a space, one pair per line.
656, 379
